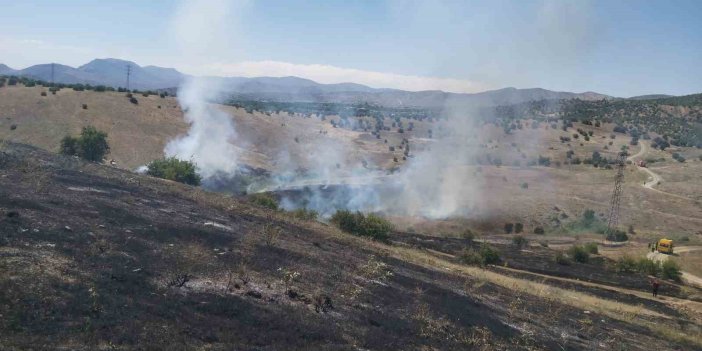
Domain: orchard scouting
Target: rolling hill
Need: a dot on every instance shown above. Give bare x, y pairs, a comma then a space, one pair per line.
112, 72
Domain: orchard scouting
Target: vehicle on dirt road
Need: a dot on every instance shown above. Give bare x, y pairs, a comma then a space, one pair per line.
665, 246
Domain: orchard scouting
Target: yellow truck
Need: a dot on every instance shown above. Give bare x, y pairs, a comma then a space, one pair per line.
665, 246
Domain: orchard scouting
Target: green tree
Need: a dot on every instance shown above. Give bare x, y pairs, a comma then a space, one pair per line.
174, 169
90, 145
93, 144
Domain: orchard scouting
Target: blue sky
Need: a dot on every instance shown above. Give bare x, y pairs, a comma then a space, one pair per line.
622, 48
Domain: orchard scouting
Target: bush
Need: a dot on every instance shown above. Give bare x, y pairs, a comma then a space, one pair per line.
467, 235
174, 169
509, 227
69, 146
561, 259
591, 248
617, 235
671, 270
518, 228
264, 200
91, 145
649, 267
525, 185
85, 106
579, 254
43, 93
357, 223
520, 242
305, 214
482, 257
539, 230
472, 257
626, 264
134, 100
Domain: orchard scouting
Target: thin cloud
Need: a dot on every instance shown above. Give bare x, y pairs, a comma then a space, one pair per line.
331, 74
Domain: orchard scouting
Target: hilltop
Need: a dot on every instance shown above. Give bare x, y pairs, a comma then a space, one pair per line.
112, 72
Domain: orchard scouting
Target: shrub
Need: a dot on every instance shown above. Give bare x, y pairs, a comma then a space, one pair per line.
489, 254
357, 223
91, 145
646, 266
174, 169
520, 242
69, 145
264, 200
671, 270
626, 264
305, 214
43, 93
509, 227
467, 235
472, 257
617, 235
561, 259
539, 230
591, 248
85, 106
485, 255
525, 185
518, 227
579, 254
134, 100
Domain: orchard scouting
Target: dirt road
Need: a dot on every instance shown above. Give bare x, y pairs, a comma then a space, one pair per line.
654, 178
686, 277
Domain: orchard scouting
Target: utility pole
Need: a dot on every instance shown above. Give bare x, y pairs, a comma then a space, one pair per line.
129, 71
52, 74
616, 196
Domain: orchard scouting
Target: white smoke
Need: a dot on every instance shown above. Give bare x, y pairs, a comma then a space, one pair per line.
200, 26
440, 181
209, 142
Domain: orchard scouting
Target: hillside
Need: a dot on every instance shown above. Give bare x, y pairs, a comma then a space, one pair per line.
94, 257
300, 142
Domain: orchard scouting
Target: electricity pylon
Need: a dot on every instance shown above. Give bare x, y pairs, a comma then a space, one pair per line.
613, 220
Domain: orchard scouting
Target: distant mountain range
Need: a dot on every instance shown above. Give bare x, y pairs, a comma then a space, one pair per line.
113, 72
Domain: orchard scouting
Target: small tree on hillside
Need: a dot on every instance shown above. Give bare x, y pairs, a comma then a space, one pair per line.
93, 144
90, 145
174, 169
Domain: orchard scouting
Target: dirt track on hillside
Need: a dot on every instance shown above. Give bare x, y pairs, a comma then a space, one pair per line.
686, 276
655, 178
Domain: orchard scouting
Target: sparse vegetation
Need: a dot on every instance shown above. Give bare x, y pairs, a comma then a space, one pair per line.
591, 248
305, 214
357, 223
174, 169
485, 255
264, 200
519, 242
579, 253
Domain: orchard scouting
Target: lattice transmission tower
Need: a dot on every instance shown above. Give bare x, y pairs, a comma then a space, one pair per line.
616, 196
